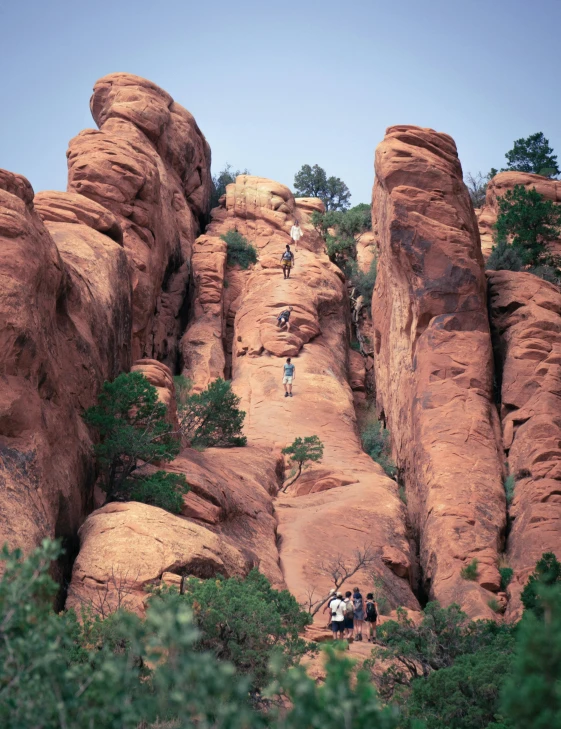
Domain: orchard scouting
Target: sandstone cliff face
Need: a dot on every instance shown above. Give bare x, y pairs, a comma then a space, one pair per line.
434, 363
497, 187
346, 502
64, 328
149, 165
526, 320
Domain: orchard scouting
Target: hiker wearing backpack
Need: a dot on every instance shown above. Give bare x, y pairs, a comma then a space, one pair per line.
338, 617
359, 613
327, 609
371, 617
287, 260
349, 616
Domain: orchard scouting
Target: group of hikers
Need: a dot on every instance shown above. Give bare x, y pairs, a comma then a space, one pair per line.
349, 613
287, 258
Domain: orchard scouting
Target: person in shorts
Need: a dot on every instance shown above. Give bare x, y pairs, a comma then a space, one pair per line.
371, 617
338, 617
327, 609
287, 260
283, 318
359, 613
289, 373
349, 615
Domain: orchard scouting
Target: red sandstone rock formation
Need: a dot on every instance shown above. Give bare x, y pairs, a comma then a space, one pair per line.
434, 362
497, 187
346, 502
64, 327
149, 165
526, 321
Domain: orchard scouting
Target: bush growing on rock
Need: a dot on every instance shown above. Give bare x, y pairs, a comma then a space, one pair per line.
212, 417
246, 622
303, 451
376, 442
239, 249
526, 224
313, 182
547, 573
162, 489
132, 426
469, 572
533, 154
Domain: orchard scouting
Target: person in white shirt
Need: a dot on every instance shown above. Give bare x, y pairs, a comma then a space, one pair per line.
296, 233
338, 617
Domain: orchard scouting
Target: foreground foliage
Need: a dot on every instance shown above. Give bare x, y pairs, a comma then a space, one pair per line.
126, 673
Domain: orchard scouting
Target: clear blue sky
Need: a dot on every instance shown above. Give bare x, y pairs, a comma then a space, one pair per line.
274, 85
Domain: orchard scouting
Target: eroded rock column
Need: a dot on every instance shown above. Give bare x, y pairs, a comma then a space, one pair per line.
433, 360
526, 320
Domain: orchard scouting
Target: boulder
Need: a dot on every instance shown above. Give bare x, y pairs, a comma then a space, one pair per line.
149, 165
526, 323
433, 360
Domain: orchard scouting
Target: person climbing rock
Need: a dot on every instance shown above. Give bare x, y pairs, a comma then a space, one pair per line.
359, 613
289, 372
371, 617
338, 617
349, 615
283, 318
296, 233
287, 260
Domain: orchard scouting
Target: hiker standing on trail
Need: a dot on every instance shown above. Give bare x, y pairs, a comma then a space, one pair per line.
287, 260
349, 616
371, 617
338, 617
359, 612
289, 373
332, 597
283, 317
296, 233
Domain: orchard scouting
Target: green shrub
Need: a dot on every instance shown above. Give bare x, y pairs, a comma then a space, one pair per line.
364, 282
313, 182
376, 442
506, 576
220, 181
402, 494
132, 425
470, 571
183, 387
530, 223
239, 249
546, 574
303, 451
495, 605
162, 489
504, 257
212, 417
355, 345
246, 622
533, 154
509, 485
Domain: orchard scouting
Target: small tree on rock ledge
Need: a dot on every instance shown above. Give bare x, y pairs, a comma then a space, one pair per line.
302, 451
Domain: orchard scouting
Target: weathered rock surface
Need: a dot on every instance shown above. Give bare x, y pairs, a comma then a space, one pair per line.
65, 318
126, 547
497, 187
526, 323
434, 364
346, 502
149, 165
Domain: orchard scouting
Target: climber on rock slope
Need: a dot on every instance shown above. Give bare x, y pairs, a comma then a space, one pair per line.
287, 260
283, 318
